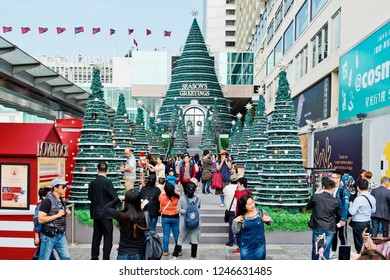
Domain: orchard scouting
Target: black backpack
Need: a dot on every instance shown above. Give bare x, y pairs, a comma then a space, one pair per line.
153, 246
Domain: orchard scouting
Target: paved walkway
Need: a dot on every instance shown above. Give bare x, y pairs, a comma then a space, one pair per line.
282, 249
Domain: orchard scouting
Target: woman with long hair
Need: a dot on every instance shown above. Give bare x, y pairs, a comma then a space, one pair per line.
132, 225
170, 218
158, 169
249, 223
186, 234
149, 195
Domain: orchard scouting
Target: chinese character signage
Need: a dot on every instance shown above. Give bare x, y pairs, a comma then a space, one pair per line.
364, 75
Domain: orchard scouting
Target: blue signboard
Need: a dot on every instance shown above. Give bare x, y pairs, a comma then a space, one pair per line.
365, 75
331, 151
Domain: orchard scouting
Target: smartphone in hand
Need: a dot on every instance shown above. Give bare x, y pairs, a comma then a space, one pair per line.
320, 243
344, 252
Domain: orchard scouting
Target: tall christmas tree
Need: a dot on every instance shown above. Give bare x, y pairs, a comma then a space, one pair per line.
283, 175
234, 143
122, 128
140, 141
246, 133
256, 150
95, 145
194, 81
152, 136
208, 137
180, 143
232, 135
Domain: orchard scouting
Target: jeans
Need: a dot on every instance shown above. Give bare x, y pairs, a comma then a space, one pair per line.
127, 257
328, 243
153, 223
167, 225
57, 242
206, 186
375, 226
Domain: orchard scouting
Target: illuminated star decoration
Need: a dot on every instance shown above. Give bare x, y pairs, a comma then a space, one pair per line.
151, 115
239, 116
248, 106
233, 122
121, 90
140, 103
194, 13
260, 91
283, 65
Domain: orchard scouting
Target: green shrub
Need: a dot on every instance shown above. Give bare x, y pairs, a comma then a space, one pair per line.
285, 221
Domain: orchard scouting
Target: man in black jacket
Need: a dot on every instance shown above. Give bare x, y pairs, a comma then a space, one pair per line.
323, 217
382, 213
100, 192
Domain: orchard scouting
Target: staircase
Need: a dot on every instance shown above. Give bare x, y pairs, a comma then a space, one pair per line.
193, 144
214, 229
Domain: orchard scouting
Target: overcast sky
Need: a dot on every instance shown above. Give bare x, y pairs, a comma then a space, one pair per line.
156, 15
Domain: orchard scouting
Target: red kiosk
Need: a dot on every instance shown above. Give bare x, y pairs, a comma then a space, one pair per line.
31, 155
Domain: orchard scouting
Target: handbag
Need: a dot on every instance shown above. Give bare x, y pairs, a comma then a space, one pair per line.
216, 181
226, 218
153, 247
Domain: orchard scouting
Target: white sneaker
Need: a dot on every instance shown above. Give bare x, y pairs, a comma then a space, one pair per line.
222, 205
333, 255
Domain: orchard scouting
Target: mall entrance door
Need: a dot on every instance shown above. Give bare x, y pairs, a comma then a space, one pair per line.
194, 120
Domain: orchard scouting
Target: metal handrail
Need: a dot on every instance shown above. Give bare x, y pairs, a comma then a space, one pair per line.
72, 223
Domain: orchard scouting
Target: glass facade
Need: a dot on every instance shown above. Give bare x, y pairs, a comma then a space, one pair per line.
287, 5
316, 7
278, 51
301, 20
288, 38
279, 16
236, 68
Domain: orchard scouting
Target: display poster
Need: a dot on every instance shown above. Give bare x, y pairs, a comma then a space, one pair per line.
365, 75
339, 148
303, 139
48, 169
314, 103
14, 186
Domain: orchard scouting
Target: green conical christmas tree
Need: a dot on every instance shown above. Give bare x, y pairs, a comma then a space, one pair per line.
246, 133
232, 136
234, 143
208, 137
194, 81
95, 145
122, 129
180, 143
283, 175
256, 150
140, 142
152, 136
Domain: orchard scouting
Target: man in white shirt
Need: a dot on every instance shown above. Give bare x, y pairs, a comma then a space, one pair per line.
361, 209
229, 192
129, 169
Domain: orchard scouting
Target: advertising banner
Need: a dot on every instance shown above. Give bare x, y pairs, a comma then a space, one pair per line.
314, 103
364, 75
332, 151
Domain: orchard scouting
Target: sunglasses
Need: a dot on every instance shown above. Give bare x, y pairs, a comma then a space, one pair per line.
62, 187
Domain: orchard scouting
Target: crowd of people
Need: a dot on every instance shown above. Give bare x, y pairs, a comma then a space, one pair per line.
169, 188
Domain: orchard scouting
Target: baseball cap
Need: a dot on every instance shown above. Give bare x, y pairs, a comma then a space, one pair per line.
57, 181
233, 177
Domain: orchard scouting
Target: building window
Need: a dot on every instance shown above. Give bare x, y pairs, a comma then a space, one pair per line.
230, 1
301, 20
270, 63
287, 5
278, 51
230, 33
336, 29
270, 31
316, 7
230, 12
270, 92
301, 63
320, 45
288, 38
279, 16
230, 22
230, 44
270, 5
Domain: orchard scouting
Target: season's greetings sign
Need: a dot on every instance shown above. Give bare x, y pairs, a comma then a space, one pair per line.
339, 148
194, 89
